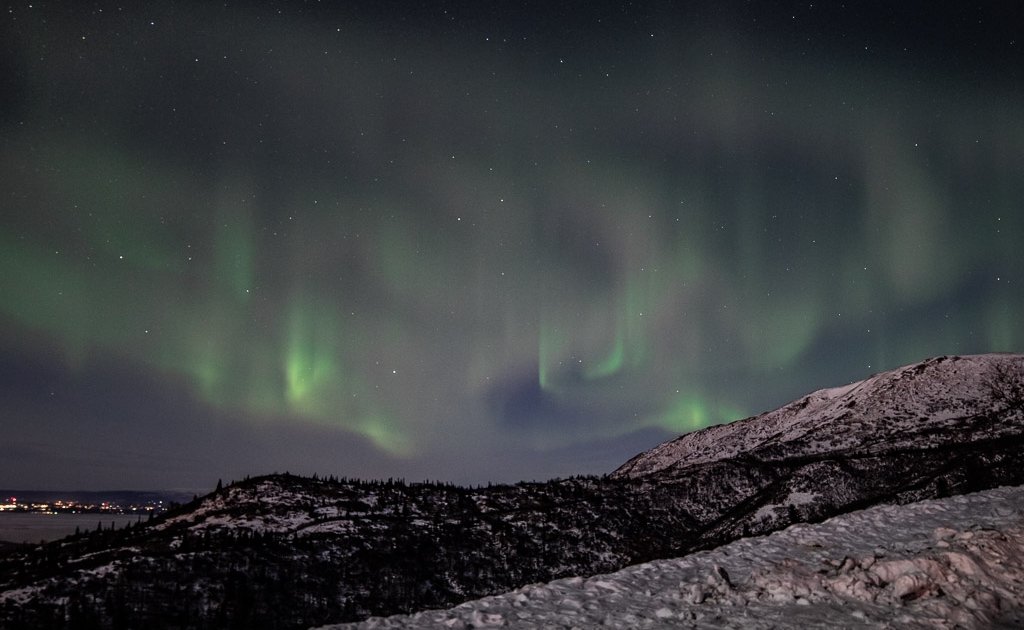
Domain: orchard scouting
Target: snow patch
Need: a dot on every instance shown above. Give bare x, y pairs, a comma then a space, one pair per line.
800, 498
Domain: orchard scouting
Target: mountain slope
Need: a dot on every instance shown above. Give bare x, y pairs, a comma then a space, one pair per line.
940, 401
949, 563
945, 426
288, 552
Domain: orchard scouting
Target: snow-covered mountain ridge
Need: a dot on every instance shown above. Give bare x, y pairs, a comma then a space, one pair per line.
938, 401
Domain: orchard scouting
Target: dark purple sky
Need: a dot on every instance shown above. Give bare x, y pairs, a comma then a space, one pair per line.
483, 241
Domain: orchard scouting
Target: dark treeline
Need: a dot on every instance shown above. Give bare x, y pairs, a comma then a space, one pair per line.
361, 548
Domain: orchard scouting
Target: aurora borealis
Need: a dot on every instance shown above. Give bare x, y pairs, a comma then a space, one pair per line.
477, 241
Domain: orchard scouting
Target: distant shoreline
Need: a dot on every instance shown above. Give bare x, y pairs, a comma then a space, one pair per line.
119, 496
35, 527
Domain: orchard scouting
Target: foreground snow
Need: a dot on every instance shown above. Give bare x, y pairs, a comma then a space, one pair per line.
948, 563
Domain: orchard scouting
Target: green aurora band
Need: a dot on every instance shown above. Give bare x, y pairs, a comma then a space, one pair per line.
666, 261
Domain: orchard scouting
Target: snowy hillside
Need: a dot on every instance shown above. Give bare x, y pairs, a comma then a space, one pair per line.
956, 562
913, 405
291, 552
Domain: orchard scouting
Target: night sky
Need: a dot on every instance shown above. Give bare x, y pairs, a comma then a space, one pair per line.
478, 241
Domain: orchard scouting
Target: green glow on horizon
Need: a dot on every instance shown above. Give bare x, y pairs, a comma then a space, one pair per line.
611, 364
685, 413
545, 355
689, 412
639, 307
629, 347
235, 252
312, 373
48, 289
205, 366
113, 206
783, 331
384, 435
1003, 326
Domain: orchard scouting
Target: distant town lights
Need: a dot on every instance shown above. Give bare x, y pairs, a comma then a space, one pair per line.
71, 506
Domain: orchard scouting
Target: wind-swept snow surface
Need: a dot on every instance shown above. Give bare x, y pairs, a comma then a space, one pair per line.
956, 562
